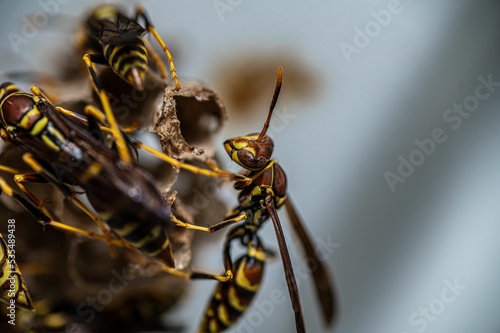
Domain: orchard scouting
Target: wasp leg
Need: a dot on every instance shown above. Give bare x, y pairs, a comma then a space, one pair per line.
141, 13
194, 275
73, 115
228, 265
236, 233
97, 115
19, 177
37, 91
69, 193
5, 168
156, 58
213, 164
98, 59
243, 183
91, 111
215, 172
32, 178
196, 170
3, 134
211, 229
43, 219
121, 144
94, 116
92, 119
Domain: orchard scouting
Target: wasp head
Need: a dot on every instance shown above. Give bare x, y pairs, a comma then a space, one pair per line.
254, 151
9, 113
6, 89
250, 152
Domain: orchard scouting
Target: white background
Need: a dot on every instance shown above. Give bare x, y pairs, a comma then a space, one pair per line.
396, 248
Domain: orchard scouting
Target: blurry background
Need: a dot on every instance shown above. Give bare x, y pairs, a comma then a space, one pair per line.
362, 82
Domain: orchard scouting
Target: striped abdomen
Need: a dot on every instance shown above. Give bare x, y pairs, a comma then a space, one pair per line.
129, 60
12, 286
231, 299
132, 206
150, 238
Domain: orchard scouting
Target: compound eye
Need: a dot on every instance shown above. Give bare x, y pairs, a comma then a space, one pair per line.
248, 160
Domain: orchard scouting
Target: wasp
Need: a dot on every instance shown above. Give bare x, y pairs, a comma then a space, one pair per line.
262, 193
63, 152
118, 41
13, 289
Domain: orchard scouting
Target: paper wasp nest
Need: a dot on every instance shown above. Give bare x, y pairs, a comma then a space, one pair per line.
81, 285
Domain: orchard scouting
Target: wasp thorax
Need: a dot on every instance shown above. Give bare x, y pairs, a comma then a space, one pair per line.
251, 152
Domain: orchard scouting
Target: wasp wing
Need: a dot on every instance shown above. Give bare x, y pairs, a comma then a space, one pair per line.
321, 276
287, 265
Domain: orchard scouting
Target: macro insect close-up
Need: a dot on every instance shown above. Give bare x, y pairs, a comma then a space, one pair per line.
118, 42
363, 199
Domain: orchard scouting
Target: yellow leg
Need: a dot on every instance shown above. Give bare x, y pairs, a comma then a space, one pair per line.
213, 165
99, 116
43, 219
37, 91
5, 168
34, 178
3, 134
73, 115
216, 227
121, 144
197, 275
246, 181
156, 58
152, 30
215, 172
196, 170
30, 161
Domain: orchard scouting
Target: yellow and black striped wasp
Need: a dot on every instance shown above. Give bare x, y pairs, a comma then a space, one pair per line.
118, 41
62, 153
262, 193
66, 149
13, 289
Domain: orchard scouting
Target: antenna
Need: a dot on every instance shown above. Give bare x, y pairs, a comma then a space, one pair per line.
277, 89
